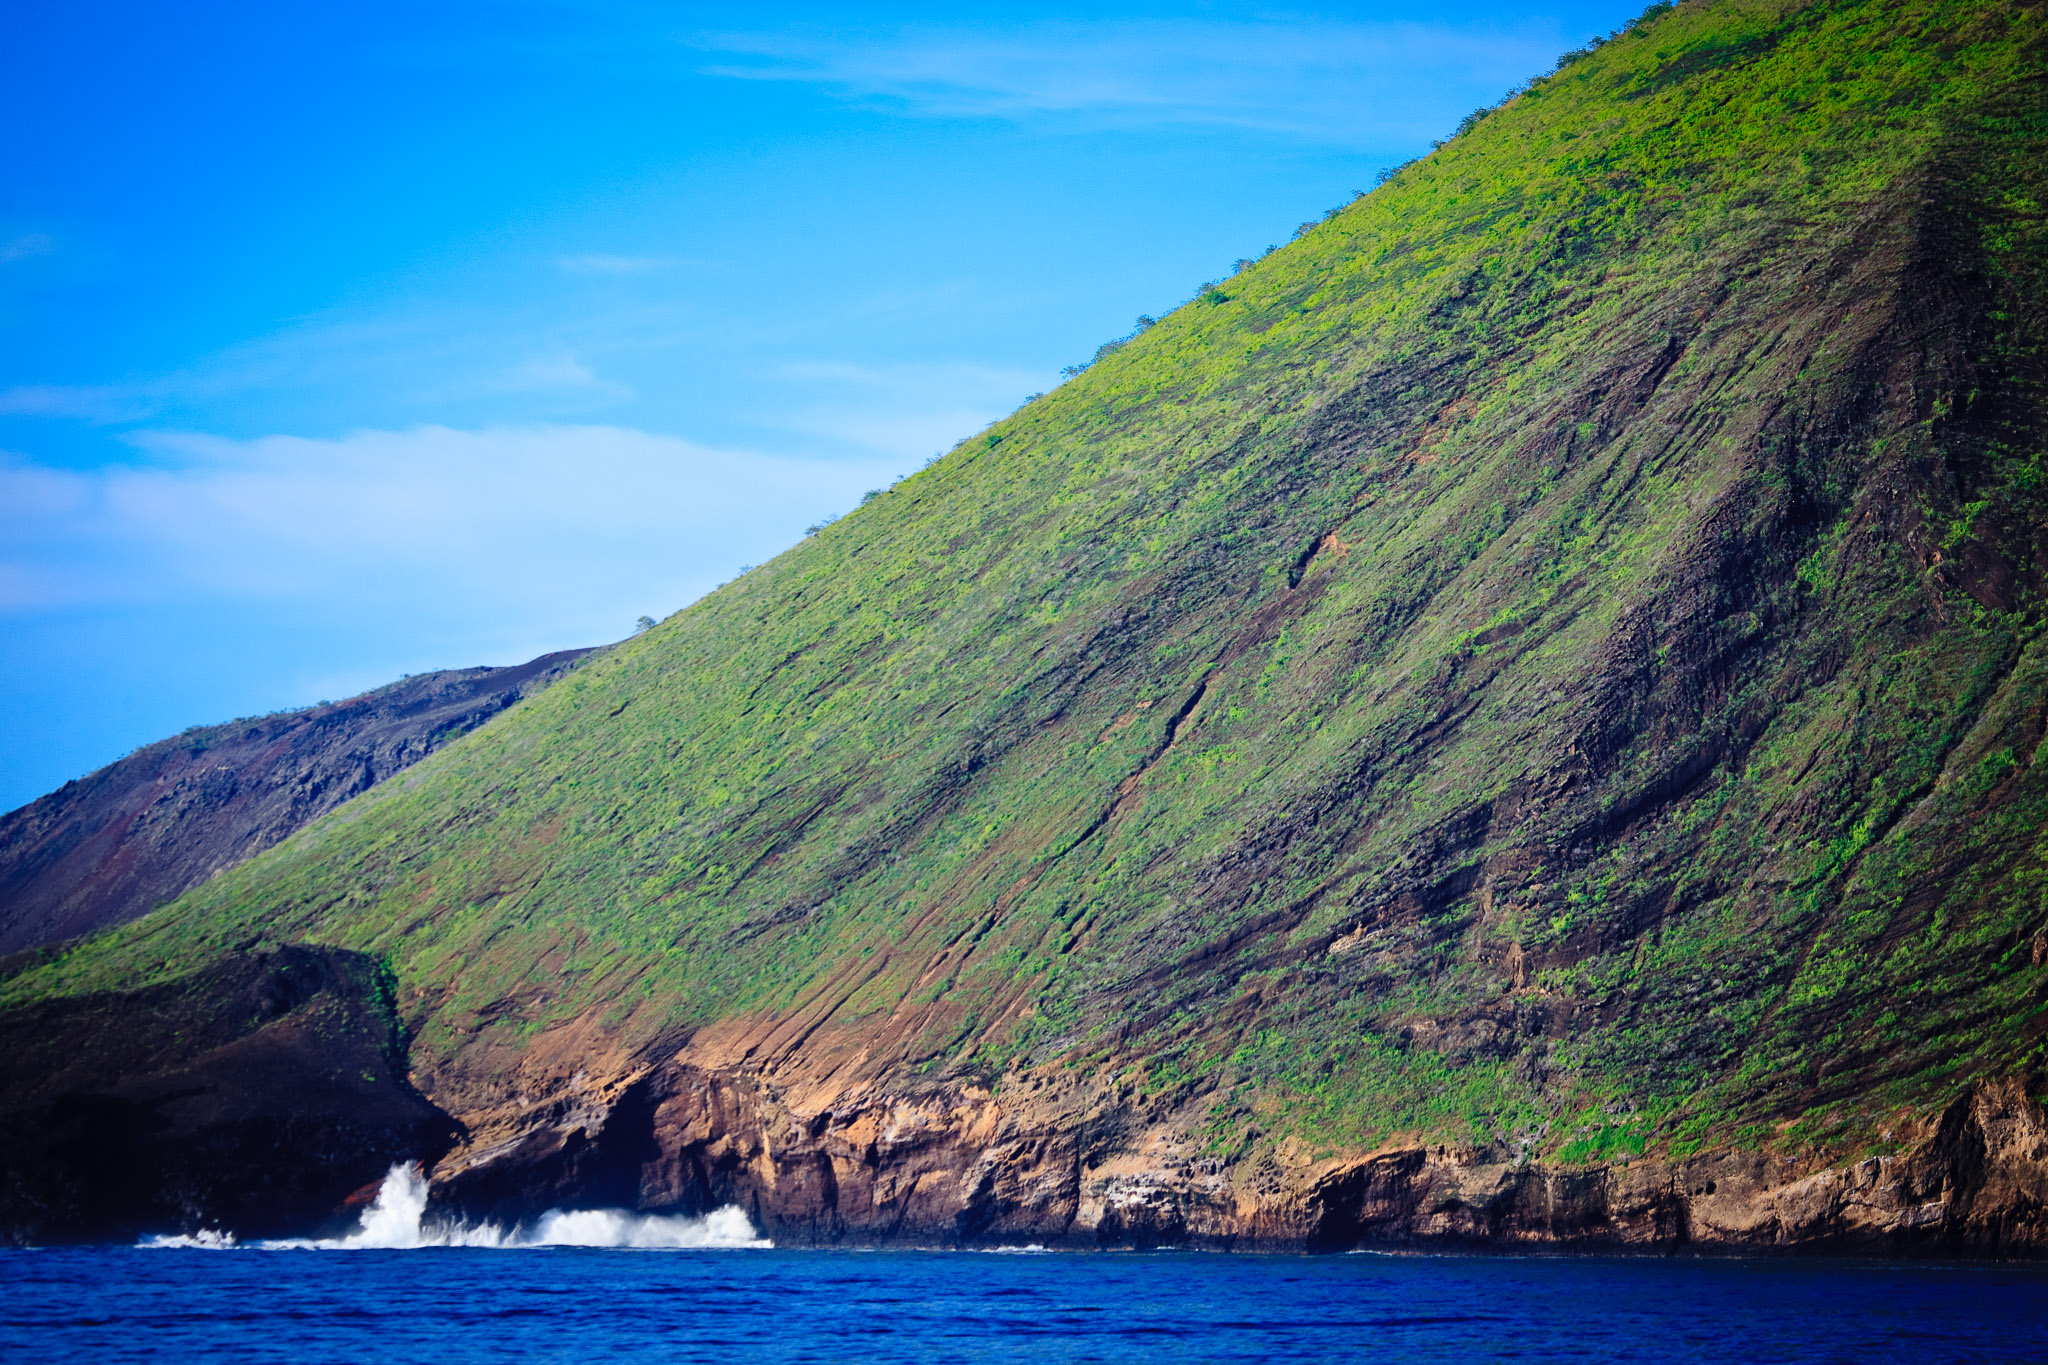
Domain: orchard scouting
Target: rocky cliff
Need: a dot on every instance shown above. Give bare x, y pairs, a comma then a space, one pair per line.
1060, 1161
244, 1096
1516, 718
142, 831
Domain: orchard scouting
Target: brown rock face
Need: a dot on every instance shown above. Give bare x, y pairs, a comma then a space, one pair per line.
260, 1095
1051, 1158
140, 832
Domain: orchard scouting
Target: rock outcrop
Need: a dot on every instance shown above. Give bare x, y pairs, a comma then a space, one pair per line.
145, 829
254, 1096
1046, 1158
264, 1098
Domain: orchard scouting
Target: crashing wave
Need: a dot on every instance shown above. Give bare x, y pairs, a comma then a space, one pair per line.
206, 1239
397, 1220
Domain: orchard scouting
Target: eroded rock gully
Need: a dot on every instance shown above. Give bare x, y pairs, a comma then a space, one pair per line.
1049, 1158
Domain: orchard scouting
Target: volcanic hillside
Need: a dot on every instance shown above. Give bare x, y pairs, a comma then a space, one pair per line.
1515, 715
141, 831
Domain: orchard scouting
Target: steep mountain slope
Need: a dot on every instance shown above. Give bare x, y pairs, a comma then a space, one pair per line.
142, 831
1515, 716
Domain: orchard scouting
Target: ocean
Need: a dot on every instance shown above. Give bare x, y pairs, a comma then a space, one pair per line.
596, 1286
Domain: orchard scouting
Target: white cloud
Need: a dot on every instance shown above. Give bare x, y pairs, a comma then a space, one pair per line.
1354, 83
557, 529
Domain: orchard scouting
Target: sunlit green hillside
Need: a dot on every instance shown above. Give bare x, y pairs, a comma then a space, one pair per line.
1551, 655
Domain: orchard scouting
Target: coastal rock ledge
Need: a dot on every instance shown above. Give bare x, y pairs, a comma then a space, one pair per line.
1043, 1160
267, 1096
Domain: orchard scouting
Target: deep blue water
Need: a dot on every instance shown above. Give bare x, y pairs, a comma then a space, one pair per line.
448, 1305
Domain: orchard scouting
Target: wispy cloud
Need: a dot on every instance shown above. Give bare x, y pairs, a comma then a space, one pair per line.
907, 411
30, 244
555, 526
618, 265
560, 372
417, 359
1344, 82
93, 402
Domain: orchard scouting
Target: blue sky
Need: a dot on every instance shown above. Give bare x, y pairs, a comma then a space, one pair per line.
340, 342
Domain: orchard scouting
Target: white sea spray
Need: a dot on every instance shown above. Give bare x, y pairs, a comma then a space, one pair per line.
397, 1220
206, 1239
726, 1227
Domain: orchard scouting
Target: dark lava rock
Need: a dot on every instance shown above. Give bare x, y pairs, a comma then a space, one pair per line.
253, 1097
140, 832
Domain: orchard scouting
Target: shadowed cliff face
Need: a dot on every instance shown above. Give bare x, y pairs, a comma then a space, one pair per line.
255, 1096
140, 832
1516, 717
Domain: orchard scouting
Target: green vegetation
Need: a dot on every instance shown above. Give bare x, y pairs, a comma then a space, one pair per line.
1551, 656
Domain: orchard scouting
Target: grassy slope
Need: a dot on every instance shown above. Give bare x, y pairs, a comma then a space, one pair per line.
1483, 672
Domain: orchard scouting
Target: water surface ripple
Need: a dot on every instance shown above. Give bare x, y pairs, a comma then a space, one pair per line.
583, 1304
